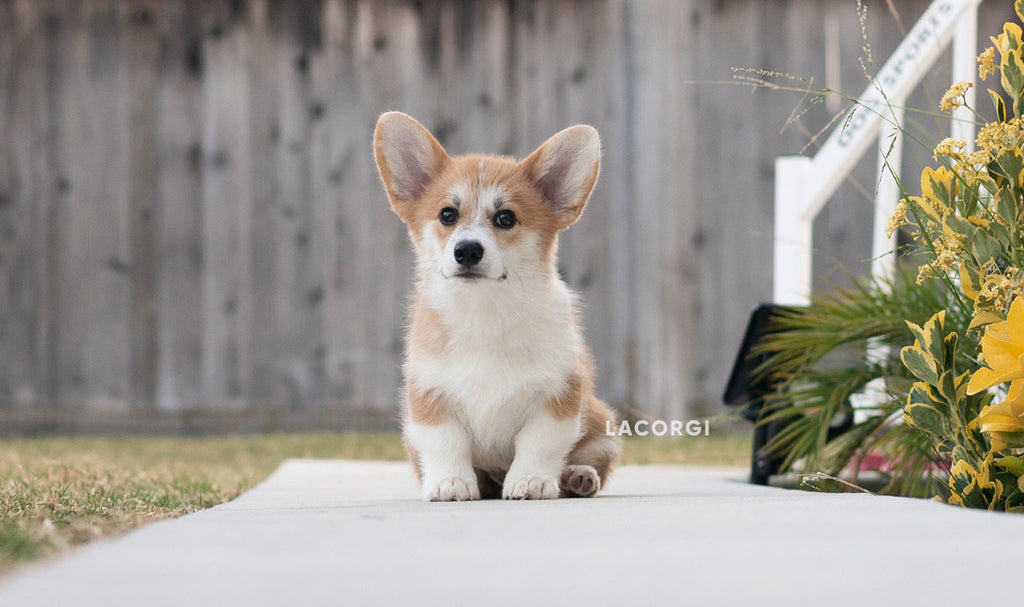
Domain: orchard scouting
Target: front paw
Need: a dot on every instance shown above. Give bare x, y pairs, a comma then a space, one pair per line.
454, 489
530, 487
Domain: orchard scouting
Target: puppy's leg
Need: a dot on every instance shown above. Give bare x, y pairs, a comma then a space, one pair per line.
445, 461
541, 447
443, 448
591, 459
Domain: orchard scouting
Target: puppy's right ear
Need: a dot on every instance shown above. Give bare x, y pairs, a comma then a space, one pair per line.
408, 158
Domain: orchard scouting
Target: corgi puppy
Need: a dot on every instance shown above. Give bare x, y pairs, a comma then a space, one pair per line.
499, 389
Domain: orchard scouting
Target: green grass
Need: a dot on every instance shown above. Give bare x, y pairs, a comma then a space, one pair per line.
58, 493
716, 450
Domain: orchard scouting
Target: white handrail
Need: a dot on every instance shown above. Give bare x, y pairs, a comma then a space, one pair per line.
803, 185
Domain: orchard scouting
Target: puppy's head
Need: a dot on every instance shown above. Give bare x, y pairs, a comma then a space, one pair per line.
482, 218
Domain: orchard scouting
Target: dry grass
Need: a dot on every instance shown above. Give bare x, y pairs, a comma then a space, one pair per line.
59, 493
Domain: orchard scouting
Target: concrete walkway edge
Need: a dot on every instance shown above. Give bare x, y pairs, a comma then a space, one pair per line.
355, 533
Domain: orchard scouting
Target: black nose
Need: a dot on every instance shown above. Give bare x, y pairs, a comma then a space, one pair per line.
468, 253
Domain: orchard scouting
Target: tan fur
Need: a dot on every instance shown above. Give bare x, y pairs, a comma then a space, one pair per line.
427, 408
568, 403
579, 385
427, 334
596, 415
413, 456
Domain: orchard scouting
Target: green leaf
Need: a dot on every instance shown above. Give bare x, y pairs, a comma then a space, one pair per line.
1013, 440
933, 334
1012, 69
920, 363
1013, 465
961, 385
999, 233
967, 202
947, 388
926, 418
961, 480
1019, 7
959, 225
985, 181
921, 393
1012, 33
985, 248
999, 104
983, 318
939, 184
949, 352
1011, 162
917, 331
1006, 206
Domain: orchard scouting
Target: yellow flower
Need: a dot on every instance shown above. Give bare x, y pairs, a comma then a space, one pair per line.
1003, 349
997, 136
954, 97
898, 219
997, 288
1004, 419
949, 147
923, 274
987, 63
979, 158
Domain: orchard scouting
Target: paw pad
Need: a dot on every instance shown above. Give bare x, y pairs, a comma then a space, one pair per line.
580, 481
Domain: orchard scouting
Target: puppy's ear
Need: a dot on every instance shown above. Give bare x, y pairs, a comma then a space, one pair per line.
408, 158
565, 170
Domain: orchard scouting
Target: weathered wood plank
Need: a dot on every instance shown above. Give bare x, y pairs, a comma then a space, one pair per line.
663, 178
353, 193
266, 133
325, 169
295, 324
179, 211
24, 189
92, 219
350, 182
11, 339
139, 71
226, 207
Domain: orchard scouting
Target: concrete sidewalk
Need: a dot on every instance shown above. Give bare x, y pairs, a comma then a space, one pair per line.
355, 533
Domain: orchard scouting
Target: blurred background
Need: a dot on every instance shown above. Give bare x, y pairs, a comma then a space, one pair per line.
193, 238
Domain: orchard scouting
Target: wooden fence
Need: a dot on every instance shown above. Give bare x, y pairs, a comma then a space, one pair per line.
193, 236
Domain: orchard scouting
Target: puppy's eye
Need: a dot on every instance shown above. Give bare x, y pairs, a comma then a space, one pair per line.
448, 216
505, 219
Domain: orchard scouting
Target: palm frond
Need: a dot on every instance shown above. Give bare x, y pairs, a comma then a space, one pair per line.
823, 356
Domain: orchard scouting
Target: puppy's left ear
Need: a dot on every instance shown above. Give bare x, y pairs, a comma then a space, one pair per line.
565, 170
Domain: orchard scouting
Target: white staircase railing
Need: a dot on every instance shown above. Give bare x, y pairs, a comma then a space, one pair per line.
803, 185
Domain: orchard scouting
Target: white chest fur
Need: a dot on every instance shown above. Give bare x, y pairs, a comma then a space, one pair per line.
505, 356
